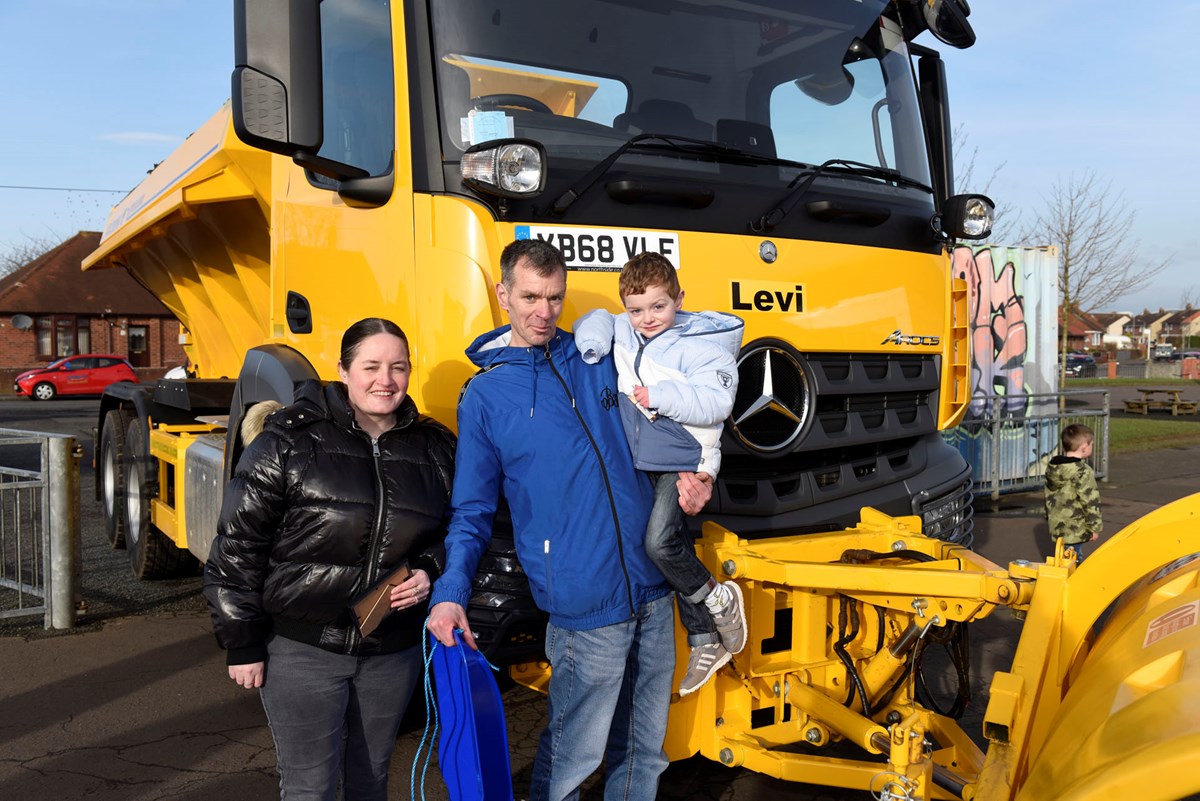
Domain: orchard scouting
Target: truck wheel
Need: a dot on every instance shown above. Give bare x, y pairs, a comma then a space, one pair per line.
151, 554
111, 475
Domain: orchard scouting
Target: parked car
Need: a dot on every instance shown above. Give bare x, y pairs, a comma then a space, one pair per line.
1080, 365
1187, 354
85, 374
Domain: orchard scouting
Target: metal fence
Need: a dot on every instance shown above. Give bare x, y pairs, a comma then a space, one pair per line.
39, 527
1141, 369
1008, 441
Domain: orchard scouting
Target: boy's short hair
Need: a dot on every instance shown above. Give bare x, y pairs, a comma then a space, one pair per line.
646, 270
1074, 435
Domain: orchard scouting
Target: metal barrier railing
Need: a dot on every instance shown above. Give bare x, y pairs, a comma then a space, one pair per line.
1008, 445
39, 527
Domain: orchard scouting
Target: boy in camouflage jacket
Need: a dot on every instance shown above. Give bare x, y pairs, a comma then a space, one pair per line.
1072, 499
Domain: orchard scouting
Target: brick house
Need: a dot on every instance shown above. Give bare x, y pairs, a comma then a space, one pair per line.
1113, 324
49, 308
1084, 332
1181, 328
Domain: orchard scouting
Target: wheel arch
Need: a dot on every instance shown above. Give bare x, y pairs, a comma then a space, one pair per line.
269, 372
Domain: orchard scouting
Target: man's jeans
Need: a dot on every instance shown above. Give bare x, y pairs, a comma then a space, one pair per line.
334, 718
674, 554
610, 689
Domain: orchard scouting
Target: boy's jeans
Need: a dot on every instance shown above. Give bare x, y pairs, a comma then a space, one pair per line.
610, 689
674, 554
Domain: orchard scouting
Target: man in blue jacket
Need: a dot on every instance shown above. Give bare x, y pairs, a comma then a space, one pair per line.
543, 427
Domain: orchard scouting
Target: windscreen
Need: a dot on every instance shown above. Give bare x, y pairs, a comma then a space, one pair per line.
804, 82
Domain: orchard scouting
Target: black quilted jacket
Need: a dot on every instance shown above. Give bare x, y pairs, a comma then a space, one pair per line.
315, 514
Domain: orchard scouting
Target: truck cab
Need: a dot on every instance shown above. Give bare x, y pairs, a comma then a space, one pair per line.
792, 161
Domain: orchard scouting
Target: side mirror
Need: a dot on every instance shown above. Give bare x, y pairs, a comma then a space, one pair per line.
947, 21
276, 91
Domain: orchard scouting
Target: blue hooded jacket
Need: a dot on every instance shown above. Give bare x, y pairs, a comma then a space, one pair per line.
543, 427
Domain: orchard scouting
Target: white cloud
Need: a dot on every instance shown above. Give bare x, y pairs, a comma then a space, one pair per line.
139, 138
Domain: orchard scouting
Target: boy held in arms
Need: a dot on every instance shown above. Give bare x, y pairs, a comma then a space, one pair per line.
1072, 498
677, 374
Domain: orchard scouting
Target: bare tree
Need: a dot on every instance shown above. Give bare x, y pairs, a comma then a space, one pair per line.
966, 158
19, 254
1189, 296
1097, 257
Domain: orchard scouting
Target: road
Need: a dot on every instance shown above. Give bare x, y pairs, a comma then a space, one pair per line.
175, 610
136, 705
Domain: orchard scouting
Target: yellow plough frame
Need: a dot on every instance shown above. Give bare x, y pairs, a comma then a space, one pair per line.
1090, 708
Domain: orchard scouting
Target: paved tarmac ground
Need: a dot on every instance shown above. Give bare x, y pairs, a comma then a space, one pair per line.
135, 704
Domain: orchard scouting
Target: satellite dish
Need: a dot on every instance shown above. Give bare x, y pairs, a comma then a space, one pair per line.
22, 322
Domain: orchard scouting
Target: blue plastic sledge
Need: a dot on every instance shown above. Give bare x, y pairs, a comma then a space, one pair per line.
473, 743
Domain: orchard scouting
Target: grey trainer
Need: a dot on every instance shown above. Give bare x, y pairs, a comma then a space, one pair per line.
731, 621
703, 662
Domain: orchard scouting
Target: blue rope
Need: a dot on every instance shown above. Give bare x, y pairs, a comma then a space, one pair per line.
429, 735
431, 720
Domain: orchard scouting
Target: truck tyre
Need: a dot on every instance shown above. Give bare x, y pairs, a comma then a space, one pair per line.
151, 554
110, 477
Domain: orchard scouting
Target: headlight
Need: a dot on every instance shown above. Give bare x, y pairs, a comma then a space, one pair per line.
510, 168
967, 217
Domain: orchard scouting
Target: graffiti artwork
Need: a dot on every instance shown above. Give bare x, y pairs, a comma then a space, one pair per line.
1009, 429
999, 337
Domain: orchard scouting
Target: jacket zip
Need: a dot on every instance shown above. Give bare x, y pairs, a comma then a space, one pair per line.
612, 502
372, 550
377, 528
637, 360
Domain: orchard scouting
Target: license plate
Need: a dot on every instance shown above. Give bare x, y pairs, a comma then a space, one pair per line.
603, 249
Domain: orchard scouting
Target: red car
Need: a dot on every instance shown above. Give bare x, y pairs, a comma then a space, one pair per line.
86, 374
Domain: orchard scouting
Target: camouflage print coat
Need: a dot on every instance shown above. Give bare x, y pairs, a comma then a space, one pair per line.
1072, 500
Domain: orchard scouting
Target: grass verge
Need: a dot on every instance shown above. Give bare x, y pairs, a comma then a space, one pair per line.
1127, 434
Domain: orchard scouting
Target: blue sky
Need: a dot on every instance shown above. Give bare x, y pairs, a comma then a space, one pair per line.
97, 91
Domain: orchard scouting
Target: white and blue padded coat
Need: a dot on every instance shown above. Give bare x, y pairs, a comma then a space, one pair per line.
690, 371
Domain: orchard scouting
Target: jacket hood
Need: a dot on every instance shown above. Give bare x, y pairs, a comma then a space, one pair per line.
1060, 470
494, 349
726, 329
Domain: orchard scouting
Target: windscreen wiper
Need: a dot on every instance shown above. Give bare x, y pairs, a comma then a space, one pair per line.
789, 201
681, 144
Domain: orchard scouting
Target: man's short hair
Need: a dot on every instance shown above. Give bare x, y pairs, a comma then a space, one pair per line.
646, 270
540, 256
1075, 435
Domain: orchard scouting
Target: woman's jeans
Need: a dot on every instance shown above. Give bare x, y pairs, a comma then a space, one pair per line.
610, 689
674, 554
335, 717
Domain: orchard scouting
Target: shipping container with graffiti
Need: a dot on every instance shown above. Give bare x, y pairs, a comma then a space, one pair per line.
1011, 426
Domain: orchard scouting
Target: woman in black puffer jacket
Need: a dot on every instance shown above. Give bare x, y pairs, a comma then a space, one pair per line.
337, 491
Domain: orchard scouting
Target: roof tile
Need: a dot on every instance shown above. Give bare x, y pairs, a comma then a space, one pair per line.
53, 283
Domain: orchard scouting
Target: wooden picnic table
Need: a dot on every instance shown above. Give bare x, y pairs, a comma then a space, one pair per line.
1167, 398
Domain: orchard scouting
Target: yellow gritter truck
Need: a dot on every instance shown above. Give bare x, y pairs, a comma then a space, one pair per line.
793, 161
